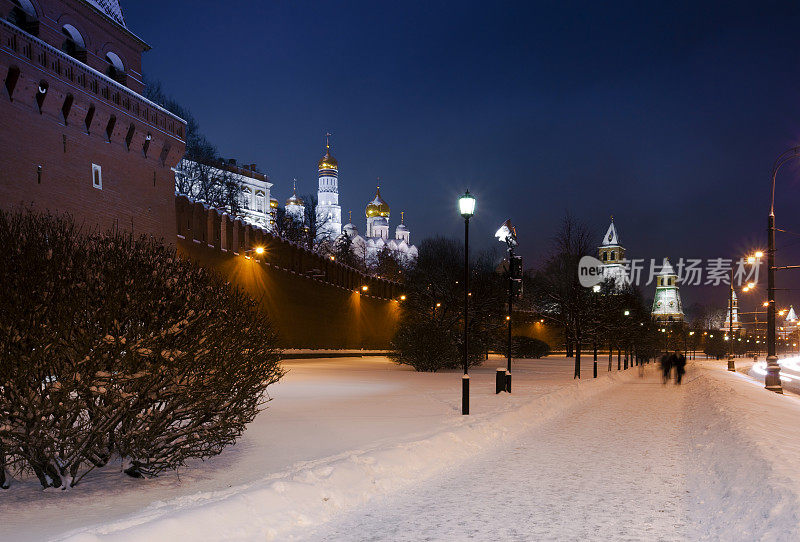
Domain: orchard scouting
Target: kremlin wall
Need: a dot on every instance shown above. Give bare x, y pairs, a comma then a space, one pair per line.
312, 301
77, 137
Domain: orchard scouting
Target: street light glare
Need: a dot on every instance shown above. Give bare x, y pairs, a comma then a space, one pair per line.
759, 254
506, 233
466, 205
259, 250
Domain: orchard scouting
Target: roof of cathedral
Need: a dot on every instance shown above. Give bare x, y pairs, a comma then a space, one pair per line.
327, 161
294, 199
791, 317
111, 9
611, 238
666, 268
377, 207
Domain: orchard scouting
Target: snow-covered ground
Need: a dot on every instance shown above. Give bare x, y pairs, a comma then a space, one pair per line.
324, 410
360, 449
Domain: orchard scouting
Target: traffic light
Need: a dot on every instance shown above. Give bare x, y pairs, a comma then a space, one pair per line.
516, 288
516, 267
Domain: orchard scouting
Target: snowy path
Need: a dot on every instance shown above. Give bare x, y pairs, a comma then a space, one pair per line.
565, 480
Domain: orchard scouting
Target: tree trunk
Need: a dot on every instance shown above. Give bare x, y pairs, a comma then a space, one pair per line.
577, 358
3, 482
610, 355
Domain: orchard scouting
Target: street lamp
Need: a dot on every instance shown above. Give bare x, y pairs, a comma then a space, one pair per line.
508, 234
772, 380
466, 206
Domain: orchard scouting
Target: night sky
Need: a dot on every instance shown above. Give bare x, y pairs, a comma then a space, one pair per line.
667, 115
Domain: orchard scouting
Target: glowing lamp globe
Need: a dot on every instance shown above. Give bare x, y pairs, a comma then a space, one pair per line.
466, 205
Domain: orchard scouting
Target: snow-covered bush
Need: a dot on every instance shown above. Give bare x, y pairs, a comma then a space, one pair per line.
431, 328
528, 347
112, 346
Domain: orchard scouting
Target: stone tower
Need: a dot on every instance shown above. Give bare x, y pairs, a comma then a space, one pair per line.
612, 254
329, 213
667, 306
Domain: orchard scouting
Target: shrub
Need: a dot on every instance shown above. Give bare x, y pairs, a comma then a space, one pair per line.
430, 333
528, 347
111, 345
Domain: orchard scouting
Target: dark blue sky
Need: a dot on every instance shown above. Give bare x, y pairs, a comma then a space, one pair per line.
667, 115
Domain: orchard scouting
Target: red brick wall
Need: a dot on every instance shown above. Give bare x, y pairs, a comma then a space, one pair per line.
100, 34
138, 190
312, 302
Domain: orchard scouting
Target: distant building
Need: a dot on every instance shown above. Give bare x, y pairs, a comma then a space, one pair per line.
295, 206
789, 325
76, 134
667, 305
255, 200
377, 233
329, 212
736, 325
612, 254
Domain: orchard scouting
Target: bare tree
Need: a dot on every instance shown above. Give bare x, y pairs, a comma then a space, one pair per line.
557, 292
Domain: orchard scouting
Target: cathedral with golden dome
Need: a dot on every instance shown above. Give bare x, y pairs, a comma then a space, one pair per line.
329, 213
329, 217
377, 236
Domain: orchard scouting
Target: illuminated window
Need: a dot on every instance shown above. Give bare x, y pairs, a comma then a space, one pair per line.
97, 177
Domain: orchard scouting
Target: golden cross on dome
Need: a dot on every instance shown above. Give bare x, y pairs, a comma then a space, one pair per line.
294, 189
350, 216
327, 143
612, 218
379, 183
402, 216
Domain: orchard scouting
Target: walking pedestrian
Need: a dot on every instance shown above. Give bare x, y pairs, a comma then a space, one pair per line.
680, 367
666, 367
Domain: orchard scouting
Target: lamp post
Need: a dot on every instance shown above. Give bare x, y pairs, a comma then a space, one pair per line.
507, 234
772, 380
466, 206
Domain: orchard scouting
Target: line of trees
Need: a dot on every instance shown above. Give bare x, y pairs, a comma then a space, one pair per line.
609, 318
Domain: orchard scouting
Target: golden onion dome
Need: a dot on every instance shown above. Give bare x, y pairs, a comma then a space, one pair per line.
273, 203
377, 207
328, 161
294, 200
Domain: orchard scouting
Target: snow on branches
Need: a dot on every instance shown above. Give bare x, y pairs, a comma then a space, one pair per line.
111, 346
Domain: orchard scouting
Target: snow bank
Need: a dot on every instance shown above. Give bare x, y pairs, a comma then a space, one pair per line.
744, 482
313, 492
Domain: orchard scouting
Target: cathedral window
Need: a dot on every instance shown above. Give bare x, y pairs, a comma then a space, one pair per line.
605, 256
74, 44
612, 255
97, 177
247, 196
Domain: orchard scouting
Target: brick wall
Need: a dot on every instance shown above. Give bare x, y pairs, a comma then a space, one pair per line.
313, 302
46, 157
